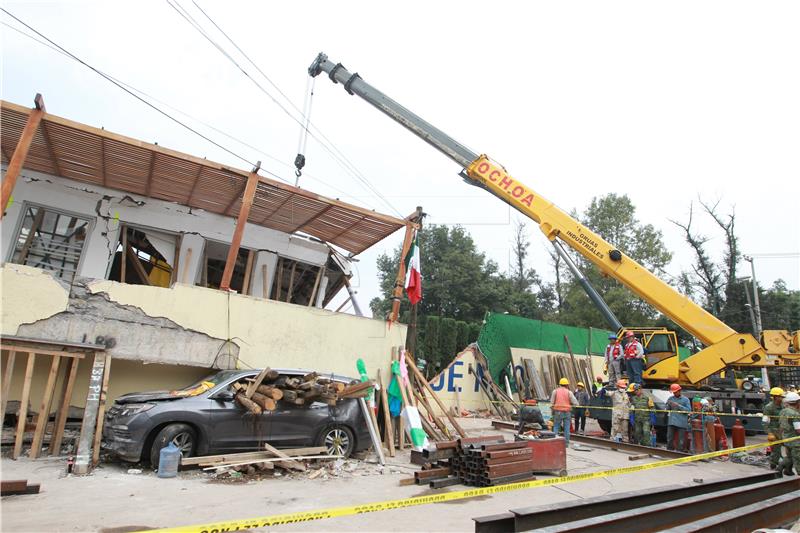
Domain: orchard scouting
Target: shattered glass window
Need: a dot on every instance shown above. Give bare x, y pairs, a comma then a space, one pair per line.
51, 240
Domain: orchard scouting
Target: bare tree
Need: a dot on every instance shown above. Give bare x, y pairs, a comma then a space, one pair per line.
732, 254
707, 276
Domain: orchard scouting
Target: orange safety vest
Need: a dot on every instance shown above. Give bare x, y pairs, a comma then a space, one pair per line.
562, 400
613, 351
631, 349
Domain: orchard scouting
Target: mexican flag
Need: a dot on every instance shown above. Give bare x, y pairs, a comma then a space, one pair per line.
413, 274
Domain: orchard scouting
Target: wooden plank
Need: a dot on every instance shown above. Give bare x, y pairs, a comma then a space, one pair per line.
316, 285
83, 455
27, 349
264, 278
137, 266
37, 222
66, 396
401, 271
23, 406
44, 410
387, 417
233, 457
289, 461
177, 261
101, 412
278, 460
21, 153
427, 386
9, 371
251, 388
241, 222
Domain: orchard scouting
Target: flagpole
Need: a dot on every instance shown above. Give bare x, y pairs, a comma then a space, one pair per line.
412, 223
411, 332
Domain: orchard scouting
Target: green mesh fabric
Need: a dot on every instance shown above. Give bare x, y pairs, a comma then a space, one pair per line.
502, 332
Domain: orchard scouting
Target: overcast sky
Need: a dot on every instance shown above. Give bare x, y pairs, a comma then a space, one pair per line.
668, 102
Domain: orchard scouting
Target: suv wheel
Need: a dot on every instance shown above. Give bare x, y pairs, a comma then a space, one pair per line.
338, 440
183, 436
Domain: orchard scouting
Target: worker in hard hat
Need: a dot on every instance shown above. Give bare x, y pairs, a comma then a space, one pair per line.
613, 360
634, 358
679, 407
790, 427
597, 385
708, 417
620, 410
642, 404
772, 423
529, 413
561, 403
583, 407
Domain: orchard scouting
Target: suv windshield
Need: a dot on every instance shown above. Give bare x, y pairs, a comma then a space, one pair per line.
212, 379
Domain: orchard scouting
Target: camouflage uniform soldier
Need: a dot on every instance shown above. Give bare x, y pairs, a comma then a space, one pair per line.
790, 427
773, 422
641, 415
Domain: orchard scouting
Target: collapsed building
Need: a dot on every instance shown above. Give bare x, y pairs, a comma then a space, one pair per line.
174, 264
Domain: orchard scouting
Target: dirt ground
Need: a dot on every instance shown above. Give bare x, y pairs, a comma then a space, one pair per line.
112, 499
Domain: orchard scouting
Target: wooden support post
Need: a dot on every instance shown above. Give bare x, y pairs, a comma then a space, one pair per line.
291, 283
248, 272
23, 406
21, 153
101, 412
316, 285
387, 417
241, 222
264, 278
44, 410
84, 452
12, 355
279, 281
137, 266
63, 411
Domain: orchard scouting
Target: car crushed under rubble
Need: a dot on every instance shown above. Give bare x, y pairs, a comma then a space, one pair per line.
205, 419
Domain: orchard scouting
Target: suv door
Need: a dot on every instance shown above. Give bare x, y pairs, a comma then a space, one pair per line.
232, 428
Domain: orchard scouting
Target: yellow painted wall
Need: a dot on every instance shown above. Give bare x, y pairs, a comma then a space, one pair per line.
28, 294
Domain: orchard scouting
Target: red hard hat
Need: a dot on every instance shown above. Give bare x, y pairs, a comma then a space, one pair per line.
629, 334
674, 387
531, 402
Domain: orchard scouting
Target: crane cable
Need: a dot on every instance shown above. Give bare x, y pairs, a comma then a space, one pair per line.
300, 160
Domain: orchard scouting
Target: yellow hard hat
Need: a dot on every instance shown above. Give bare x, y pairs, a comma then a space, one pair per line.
580, 384
630, 387
777, 391
563, 381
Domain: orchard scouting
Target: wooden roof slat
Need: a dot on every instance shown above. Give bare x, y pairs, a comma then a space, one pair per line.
97, 156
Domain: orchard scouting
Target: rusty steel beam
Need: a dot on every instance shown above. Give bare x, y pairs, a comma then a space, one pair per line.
778, 512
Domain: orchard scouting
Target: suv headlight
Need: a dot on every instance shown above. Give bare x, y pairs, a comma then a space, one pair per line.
136, 408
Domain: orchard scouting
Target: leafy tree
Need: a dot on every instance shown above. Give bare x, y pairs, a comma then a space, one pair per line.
613, 217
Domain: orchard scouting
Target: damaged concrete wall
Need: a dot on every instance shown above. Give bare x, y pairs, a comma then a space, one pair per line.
126, 331
189, 325
109, 209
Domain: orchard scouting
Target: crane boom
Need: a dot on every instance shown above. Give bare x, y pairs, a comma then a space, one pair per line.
724, 346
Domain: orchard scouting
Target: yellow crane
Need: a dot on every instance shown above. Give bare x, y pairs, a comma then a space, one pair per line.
723, 347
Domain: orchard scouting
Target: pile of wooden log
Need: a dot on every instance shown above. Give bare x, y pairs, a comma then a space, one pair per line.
498, 401
268, 387
252, 462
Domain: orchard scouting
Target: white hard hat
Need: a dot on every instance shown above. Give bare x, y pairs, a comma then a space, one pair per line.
704, 401
792, 397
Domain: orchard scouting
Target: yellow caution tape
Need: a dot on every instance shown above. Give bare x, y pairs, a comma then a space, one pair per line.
307, 516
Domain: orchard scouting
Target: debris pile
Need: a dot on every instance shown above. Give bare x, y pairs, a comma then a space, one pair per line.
262, 461
261, 393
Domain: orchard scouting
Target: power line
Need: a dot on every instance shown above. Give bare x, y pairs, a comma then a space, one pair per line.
109, 78
260, 151
341, 159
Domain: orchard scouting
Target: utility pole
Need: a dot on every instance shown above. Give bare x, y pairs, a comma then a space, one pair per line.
749, 259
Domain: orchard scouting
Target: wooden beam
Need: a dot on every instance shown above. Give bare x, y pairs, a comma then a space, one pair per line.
37, 222
264, 278
236, 196
348, 228
316, 285
280, 206
23, 406
44, 410
7, 383
21, 153
149, 184
137, 266
63, 411
101, 412
241, 222
194, 185
291, 282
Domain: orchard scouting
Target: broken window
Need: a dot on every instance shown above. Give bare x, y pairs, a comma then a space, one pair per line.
296, 282
215, 255
144, 257
51, 240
